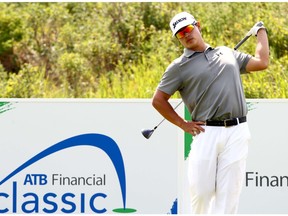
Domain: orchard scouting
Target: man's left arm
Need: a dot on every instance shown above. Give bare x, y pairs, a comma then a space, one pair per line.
261, 59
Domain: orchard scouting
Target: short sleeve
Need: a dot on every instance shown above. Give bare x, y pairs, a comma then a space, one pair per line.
242, 60
171, 79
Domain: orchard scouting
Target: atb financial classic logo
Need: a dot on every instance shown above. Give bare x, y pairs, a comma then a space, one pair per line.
52, 201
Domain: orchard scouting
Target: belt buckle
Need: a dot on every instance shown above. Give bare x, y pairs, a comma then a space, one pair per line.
226, 120
225, 123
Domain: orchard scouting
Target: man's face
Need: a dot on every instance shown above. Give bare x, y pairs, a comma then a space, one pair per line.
190, 38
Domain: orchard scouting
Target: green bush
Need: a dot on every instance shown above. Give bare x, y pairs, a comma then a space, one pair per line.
121, 49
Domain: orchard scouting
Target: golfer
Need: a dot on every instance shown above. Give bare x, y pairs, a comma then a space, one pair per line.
208, 80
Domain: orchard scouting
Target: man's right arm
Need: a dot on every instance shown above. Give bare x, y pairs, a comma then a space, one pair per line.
161, 104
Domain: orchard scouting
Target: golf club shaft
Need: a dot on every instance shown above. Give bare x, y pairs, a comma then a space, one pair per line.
164, 118
241, 42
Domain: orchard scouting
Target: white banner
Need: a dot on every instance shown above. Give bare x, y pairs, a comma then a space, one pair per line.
89, 156
85, 156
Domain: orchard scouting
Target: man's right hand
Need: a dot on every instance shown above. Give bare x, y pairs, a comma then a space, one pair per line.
193, 127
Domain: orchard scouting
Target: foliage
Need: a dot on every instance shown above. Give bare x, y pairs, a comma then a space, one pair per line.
121, 49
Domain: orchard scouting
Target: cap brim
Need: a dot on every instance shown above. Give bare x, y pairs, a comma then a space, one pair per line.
182, 25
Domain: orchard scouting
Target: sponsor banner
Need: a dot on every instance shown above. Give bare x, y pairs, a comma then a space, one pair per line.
86, 156
89, 156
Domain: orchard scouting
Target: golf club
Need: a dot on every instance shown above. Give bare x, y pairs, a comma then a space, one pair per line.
147, 133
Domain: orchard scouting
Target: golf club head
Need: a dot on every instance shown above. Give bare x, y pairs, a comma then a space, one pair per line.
147, 133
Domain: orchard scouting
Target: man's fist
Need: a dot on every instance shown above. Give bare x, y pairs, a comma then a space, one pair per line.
254, 30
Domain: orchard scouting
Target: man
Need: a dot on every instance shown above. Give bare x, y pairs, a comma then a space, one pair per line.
209, 83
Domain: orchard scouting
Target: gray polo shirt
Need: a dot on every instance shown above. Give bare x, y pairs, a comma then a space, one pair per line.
209, 82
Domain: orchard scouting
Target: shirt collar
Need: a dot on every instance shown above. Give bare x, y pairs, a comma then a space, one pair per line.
188, 52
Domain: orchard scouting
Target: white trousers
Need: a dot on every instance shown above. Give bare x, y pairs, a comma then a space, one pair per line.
216, 171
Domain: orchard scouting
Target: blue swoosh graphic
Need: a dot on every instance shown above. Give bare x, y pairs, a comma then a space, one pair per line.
108, 145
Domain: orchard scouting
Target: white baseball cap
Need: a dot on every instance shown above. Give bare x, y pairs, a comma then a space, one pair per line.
181, 20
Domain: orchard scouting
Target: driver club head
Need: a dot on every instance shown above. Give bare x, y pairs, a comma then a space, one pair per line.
147, 133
